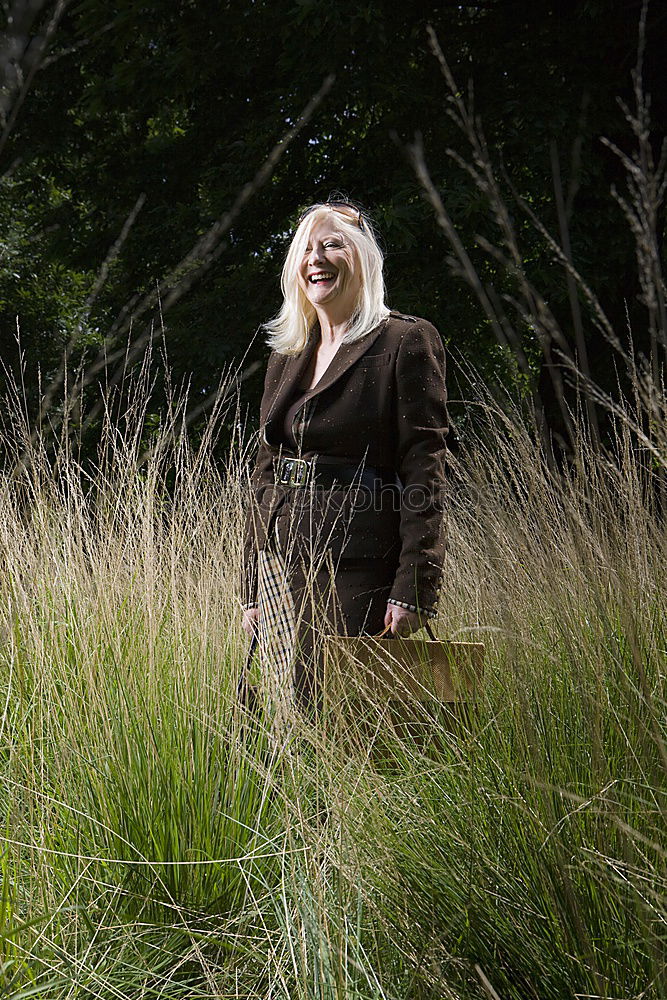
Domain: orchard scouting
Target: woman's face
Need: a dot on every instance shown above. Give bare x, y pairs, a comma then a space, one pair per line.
329, 272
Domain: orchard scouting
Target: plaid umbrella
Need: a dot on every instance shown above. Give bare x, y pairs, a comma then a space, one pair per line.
276, 643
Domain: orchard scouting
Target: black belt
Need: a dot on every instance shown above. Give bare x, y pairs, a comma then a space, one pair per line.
326, 471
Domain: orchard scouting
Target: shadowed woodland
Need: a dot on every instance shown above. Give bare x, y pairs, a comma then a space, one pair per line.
155, 157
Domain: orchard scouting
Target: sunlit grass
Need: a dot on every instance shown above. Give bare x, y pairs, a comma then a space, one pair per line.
157, 842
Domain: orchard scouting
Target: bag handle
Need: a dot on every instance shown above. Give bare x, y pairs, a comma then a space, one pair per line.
383, 633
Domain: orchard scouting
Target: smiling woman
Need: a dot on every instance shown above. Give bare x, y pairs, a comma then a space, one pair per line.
353, 422
330, 278
328, 274
350, 229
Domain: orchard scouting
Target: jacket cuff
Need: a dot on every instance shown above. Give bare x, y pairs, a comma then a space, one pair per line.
421, 592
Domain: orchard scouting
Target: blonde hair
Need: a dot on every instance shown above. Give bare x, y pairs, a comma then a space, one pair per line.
288, 331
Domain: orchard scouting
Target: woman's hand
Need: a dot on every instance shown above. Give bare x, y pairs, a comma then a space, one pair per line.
250, 621
402, 621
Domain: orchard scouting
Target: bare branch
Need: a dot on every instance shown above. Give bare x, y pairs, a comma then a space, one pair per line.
59, 378
575, 307
76, 47
196, 263
20, 77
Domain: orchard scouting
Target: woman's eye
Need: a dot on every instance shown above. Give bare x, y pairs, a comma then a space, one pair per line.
327, 246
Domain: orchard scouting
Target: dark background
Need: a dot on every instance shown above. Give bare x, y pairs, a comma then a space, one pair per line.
179, 104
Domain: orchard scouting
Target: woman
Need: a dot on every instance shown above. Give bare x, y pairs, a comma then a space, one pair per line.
345, 532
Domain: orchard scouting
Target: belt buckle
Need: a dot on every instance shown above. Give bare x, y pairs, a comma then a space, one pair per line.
293, 472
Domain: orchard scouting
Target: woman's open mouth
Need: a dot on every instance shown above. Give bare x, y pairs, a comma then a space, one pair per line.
321, 278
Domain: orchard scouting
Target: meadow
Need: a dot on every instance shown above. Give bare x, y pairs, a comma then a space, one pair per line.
155, 842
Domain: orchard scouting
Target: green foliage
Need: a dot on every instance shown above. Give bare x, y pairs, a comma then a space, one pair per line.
183, 102
158, 841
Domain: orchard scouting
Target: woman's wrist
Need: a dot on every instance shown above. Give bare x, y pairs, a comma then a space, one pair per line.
424, 612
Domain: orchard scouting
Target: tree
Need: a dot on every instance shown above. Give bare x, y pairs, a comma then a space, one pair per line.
178, 103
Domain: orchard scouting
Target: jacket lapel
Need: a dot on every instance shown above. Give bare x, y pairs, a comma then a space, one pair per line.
344, 358
290, 377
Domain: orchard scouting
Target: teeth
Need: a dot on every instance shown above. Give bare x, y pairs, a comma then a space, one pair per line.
323, 276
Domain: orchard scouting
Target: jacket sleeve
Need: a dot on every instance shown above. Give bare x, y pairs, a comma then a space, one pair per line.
421, 428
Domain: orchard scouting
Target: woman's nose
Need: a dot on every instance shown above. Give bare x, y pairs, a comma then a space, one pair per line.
315, 255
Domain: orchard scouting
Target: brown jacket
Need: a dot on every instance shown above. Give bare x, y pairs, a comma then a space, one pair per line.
381, 403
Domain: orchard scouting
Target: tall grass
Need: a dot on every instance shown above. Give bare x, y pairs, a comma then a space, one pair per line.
158, 843
534, 848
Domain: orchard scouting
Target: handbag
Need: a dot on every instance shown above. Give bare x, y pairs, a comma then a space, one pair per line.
403, 668
388, 668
